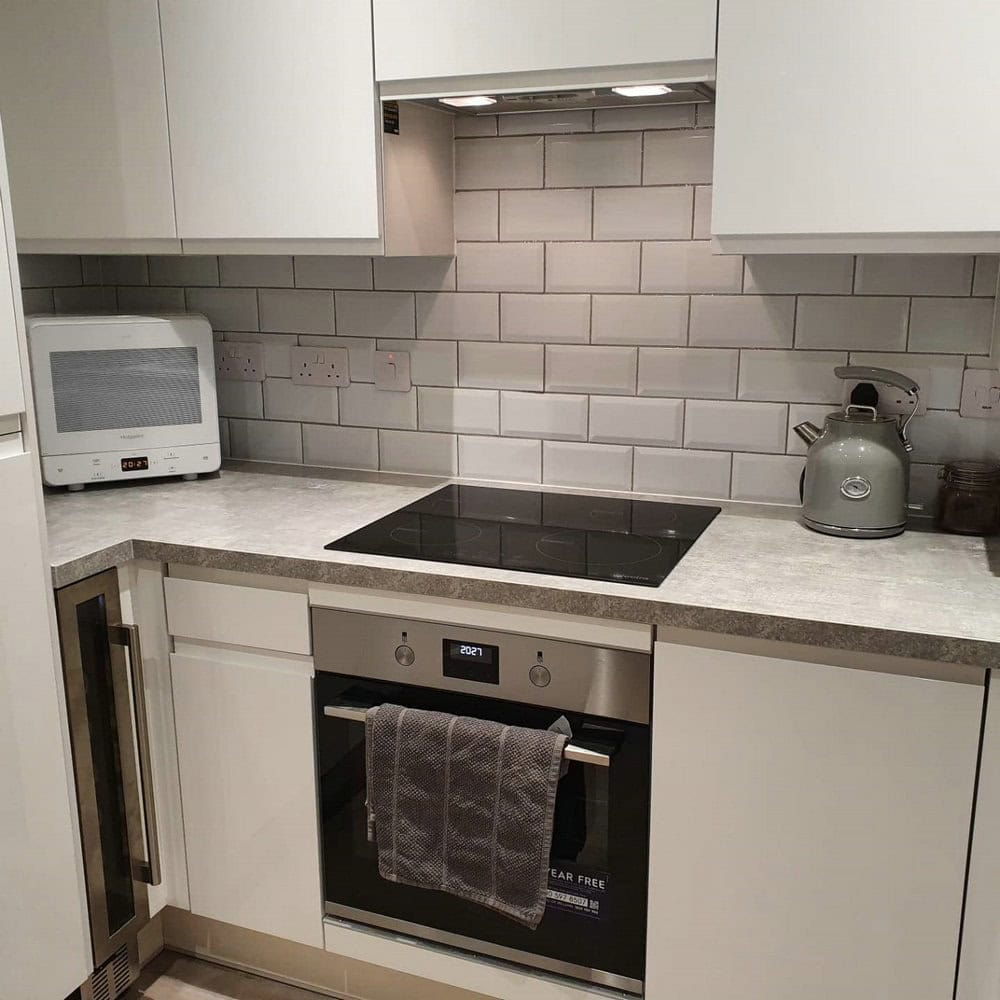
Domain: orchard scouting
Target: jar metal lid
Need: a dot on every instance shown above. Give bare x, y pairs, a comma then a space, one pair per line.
972, 474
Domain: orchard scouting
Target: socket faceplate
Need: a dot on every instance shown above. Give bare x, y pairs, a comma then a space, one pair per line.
239, 362
320, 366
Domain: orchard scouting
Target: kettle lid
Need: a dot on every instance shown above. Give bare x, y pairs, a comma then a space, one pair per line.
855, 414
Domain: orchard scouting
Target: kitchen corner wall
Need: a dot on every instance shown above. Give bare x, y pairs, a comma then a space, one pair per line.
584, 337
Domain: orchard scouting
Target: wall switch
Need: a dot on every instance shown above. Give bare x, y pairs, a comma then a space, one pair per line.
980, 394
392, 371
893, 401
240, 362
320, 366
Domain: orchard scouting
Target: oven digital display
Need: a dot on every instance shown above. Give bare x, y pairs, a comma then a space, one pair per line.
471, 661
137, 464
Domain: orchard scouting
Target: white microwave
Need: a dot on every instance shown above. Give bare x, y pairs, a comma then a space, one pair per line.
123, 397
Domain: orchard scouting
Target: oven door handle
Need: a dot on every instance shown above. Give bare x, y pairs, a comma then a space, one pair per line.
572, 751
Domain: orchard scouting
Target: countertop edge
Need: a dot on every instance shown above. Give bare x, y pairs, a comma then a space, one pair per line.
853, 638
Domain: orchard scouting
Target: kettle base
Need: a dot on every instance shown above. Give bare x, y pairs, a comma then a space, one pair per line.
842, 532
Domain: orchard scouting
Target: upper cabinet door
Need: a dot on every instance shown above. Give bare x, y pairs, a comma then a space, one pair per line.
272, 118
425, 39
11, 387
83, 107
857, 126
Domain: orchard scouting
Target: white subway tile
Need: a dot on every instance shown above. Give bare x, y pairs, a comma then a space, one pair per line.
545, 319
943, 436
543, 122
40, 270
689, 267
678, 157
418, 452
340, 447
239, 399
515, 162
363, 405
458, 316
952, 326
688, 372
643, 213
596, 466
985, 280
593, 160
137, 299
944, 389
284, 400
501, 267
225, 308
742, 320
640, 319
375, 314
432, 362
360, 354
417, 274
795, 376
799, 273
508, 460
735, 426
39, 301
296, 310
702, 212
277, 350
592, 267
85, 299
333, 272
914, 274
183, 269
465, 411
123, 269
469, 126
590, 369
265, 440
648, 116
849, 323
799, 413
682, 472
767, 478
476, 215
545, 215
628, 420
250, 271
501, 366
706, 115
543, 415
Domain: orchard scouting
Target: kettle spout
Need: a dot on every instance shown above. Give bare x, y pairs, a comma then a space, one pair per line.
809, 432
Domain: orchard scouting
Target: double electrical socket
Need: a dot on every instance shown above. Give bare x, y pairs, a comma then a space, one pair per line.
239, 362
320, 366
980, 394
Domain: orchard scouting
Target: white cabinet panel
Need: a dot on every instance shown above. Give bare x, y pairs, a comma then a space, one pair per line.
11, 388
272, 118
248, 786
83, 107
836, 128
810, 826
421, 39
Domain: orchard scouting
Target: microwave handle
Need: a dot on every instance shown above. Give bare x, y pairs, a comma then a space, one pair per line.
128, 636
357, 713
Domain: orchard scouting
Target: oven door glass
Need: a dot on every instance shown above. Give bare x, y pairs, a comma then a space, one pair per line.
595, 921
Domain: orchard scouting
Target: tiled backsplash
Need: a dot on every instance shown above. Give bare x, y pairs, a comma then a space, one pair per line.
585, 336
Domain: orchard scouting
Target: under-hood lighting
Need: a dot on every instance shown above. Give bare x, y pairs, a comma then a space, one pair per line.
473, 101
643, 90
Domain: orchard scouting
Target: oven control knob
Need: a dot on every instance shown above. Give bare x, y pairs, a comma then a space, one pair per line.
539, 676
405, 656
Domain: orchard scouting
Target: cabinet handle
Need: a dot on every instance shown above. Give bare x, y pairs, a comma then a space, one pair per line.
128, 636
357, 713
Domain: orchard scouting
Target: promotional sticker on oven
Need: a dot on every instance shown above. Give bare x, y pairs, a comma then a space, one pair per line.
578, 890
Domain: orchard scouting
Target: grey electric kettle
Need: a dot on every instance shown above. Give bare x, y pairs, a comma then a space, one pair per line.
857, 476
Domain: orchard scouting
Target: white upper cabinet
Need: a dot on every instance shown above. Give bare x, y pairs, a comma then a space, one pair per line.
425, 40
272, 118
84, 112
857, 126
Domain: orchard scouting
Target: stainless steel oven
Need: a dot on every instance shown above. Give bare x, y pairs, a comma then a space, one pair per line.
108, 735
594, 928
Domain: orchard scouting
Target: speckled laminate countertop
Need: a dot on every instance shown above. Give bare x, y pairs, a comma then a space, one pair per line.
923, 595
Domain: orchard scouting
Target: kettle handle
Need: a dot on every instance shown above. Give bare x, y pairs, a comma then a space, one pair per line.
884, 375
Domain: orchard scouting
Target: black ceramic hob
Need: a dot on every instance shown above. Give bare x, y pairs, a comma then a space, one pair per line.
597, 538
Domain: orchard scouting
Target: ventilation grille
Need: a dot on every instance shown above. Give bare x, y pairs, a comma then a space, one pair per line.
117, 389
112, 979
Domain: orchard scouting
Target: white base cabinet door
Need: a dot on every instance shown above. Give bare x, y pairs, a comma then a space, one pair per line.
248, 787
810, 828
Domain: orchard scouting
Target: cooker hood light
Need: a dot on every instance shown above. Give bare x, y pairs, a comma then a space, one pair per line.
472, 101
643, 90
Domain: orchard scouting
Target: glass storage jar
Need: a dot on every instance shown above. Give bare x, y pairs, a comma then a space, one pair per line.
969, 500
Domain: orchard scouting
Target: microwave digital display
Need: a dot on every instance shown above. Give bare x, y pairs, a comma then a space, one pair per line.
471, 661
138, 464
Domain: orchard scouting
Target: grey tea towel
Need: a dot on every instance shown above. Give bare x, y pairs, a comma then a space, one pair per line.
463, 805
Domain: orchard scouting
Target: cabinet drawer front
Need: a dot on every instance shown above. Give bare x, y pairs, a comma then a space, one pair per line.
242, 616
